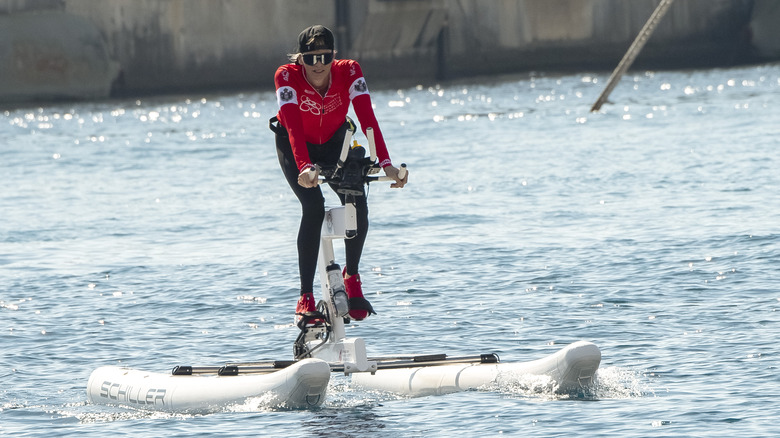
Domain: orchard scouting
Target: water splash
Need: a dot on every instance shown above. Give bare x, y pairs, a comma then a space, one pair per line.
620, 383
524, 385
609, 383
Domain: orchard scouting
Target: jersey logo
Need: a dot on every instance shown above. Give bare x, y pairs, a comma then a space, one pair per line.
285, 95
286, 75
357, 88
332, 104
360, 86
308, 105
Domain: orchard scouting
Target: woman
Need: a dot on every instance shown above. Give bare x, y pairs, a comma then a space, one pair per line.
314, 94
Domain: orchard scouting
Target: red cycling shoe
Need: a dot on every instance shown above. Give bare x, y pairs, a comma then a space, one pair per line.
306, 313
359, 307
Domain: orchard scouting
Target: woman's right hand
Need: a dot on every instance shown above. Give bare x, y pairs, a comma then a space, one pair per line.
309, 177
394, 173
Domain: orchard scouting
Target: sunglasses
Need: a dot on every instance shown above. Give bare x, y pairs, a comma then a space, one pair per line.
325, 58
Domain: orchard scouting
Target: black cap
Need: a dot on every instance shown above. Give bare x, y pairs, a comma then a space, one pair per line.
315, 38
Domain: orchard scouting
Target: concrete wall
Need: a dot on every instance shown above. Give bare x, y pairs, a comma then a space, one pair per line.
502, 36
66, 58
765, 29
166, 46
150, 46
178, 45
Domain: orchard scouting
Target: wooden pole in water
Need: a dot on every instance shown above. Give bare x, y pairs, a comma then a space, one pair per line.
633, 52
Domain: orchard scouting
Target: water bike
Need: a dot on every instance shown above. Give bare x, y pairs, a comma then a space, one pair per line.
323, 348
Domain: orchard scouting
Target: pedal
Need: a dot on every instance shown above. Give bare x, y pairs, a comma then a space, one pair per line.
310, 319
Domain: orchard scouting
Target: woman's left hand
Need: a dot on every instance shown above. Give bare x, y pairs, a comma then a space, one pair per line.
392, 172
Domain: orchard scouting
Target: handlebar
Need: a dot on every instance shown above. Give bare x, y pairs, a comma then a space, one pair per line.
353, 168
402, 171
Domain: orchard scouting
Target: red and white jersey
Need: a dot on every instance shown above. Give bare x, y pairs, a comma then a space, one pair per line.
309, 117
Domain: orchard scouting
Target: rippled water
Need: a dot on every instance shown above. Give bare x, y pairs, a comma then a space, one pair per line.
160, 232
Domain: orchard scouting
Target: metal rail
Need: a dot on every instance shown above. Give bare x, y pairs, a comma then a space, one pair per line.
383, 363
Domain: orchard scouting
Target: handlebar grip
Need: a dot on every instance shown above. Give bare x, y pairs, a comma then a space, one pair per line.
345, 148
402, 171
311, 174
371, 144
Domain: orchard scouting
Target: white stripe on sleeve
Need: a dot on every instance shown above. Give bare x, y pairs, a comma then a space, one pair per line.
357, 88
286, 95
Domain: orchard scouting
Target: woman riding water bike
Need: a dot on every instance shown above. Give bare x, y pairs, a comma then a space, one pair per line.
314, 93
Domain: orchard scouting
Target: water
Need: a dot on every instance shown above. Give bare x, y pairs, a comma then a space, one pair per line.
160, 232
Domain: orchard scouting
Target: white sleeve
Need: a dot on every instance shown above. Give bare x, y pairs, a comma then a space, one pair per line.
286, 95
357, 88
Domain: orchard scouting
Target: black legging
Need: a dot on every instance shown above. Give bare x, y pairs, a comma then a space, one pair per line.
313, 207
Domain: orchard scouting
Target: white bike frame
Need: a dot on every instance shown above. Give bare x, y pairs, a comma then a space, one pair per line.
351, 352
339, 222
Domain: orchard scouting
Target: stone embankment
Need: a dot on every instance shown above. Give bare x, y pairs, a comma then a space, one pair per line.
86, 49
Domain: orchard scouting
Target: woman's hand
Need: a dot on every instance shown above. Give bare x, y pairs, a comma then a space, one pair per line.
392, 172
309, 177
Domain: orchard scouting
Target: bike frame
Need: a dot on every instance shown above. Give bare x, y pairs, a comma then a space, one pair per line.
329, 342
